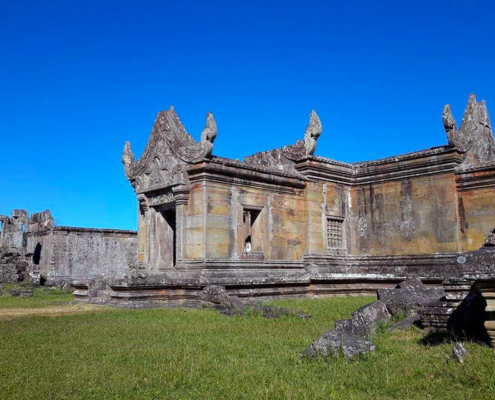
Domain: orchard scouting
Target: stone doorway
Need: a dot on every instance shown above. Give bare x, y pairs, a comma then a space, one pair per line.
167, 238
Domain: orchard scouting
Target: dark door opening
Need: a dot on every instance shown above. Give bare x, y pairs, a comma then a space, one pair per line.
170, 235
37, 254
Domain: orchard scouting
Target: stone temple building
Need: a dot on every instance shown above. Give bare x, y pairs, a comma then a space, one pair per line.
287, 223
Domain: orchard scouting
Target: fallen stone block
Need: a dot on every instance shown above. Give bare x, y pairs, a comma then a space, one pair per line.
405, 323
215, 294
409, 296
334, 343
344, 325
365, 320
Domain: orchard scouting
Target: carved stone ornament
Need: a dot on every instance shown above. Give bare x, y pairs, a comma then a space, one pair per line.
162, 198
168, 152
285, 157
304, 148
475, 136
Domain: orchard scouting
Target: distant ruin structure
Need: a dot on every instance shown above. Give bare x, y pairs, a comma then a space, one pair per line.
33, 249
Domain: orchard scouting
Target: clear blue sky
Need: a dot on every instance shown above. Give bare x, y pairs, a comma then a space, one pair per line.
78, 79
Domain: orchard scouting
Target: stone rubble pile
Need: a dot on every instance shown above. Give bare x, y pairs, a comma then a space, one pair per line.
350, 336
409, 296
230, 305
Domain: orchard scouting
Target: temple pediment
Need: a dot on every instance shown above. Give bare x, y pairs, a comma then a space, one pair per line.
170, 149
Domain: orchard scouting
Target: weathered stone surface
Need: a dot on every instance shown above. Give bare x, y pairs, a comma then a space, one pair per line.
283, 223
42, 221
333, 343
406, 323
365, 320
461, 313
475, 136
214, 294
231, 305
344, 325
35, 250
350, 335
409, 296
459, 353
12, 232
169, 150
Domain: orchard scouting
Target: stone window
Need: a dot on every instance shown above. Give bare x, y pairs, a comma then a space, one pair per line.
252, 230
335, 236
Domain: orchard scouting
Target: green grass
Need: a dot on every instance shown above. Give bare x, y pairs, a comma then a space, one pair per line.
199, 354
43, 297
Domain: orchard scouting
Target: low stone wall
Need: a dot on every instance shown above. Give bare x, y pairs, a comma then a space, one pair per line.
337, 276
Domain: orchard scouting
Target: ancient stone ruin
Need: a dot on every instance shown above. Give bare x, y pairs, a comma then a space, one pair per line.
33, 249
286, 223
281, 223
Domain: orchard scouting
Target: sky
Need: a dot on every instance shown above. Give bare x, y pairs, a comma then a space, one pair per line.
78, 79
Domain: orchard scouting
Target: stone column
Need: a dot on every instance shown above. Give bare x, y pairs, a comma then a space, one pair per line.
181, 196
143, 232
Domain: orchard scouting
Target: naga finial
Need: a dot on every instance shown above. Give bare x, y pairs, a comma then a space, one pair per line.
449, 124
475, 135
208, 135
127, 158
312, 133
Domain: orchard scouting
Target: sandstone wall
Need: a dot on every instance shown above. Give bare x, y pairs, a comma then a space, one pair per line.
476, 205
214, 222
323, 201
411, 216
73, 253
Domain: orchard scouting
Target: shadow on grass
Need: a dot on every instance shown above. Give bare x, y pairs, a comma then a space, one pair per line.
437, 338
444, 337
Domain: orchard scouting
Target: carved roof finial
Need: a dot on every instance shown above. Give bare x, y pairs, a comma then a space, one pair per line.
449, 124
208, 135
210, 130
312, 133
127, 158
475, 135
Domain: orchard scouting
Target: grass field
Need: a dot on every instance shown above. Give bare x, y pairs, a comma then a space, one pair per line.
43, 297
192, 354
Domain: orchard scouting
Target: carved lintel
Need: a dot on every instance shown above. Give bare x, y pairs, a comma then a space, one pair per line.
161, 198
